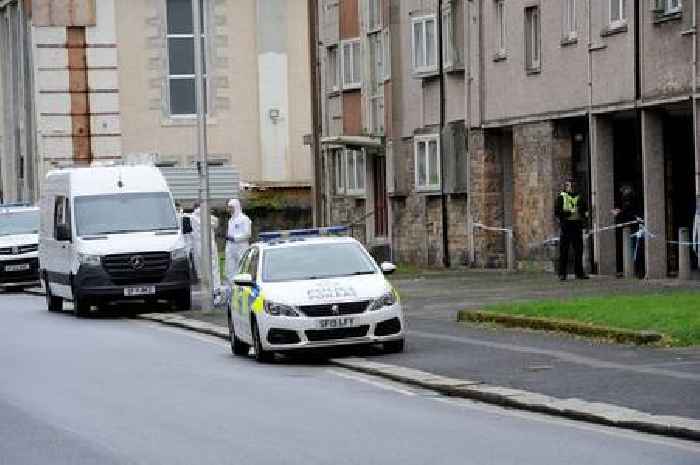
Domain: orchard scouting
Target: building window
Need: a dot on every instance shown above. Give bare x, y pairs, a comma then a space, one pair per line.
332, 69
376, 84
180, 42
427, 154
355, 172
569, 15
424, 44
449, 47
672, 6
532, 38
617, 12
375, 15
351, 62
386, 44
500, 28
339, 163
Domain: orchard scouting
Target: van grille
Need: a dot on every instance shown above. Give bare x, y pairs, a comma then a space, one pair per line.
19, 250
137, 268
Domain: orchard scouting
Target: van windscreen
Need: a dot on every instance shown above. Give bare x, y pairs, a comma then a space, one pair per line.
20, 222
124, 213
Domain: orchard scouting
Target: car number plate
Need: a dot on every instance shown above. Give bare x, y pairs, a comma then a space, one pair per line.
20, 267
334, 323
143, 290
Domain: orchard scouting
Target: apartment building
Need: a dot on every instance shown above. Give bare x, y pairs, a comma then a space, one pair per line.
110, 79
488, 106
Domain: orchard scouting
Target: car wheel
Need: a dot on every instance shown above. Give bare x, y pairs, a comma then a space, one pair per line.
53, 303
394, 347
238, 347
183, 300
81, 307
261, 355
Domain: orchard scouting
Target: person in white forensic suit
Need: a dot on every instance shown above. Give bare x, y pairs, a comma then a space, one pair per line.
197, 248
237, 238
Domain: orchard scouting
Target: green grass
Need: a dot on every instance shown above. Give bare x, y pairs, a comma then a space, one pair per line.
676, 315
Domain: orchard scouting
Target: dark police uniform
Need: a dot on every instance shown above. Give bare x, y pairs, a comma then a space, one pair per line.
571, 210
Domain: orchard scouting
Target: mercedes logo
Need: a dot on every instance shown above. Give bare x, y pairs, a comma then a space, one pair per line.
136, 262
335, 310
15, 250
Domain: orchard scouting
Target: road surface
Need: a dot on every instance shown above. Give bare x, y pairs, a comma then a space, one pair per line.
119, 391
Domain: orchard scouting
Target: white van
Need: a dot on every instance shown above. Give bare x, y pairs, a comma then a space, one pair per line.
19, 236
111, 234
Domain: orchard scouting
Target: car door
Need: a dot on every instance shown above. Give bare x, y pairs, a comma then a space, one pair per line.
239, 301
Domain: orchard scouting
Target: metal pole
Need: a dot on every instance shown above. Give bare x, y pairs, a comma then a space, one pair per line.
510, 251
627, 253
205, 218
683, 254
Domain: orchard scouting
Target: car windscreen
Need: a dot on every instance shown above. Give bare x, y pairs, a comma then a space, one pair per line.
315, 261
26, 222
124, 213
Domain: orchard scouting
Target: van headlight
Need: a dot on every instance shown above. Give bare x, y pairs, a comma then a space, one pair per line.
179, 254
89, 259
276, 309
386, 300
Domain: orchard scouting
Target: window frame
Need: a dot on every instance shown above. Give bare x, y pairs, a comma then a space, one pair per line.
357, 80
354, 188
375, 19
340, 169
569, 20
335, 85
386, 44
426, 140
205, 57
424, 68
669, 10
533, 39
501, 36
617, 22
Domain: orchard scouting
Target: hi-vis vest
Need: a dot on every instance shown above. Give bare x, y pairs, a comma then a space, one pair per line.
570, 205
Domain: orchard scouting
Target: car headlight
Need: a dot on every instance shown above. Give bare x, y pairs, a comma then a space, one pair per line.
276, 309
386, 300
179, 254
89, 259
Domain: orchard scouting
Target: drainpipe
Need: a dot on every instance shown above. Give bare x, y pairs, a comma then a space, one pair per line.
317, 175
468, 124
591, 129
443, 196
693, 102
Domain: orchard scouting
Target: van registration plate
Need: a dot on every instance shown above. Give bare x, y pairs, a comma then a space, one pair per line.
142, 290
20, 267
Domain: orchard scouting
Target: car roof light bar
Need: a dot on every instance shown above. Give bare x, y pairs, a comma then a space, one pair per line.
269, 236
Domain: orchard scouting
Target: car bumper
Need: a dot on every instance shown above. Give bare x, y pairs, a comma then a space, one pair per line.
94, 281
291, 333
25, 277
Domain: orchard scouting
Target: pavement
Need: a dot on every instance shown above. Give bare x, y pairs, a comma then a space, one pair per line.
111, 390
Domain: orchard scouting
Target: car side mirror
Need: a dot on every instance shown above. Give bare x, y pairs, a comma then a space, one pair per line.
243, 279
388, 268
63, 233
186, 225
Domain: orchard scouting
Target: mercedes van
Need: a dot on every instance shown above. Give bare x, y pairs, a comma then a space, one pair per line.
19, 237
109, 234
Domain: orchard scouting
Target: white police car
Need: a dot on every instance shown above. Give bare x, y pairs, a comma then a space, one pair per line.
19, 245
303, 289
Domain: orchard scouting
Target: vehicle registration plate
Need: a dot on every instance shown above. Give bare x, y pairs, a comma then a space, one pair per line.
20, 267
143, 290
334, 323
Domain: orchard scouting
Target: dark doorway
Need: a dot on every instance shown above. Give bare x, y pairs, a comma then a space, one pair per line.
381, 215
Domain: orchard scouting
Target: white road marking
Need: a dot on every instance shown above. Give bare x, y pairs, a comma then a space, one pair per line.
466, 403
373, 382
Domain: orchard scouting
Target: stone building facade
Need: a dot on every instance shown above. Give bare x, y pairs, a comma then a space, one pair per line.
114, 78
510, 98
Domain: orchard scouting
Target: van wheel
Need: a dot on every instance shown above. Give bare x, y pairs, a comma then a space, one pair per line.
261, 355
238, 347
183, 301
53, 303
81, 307
394, 347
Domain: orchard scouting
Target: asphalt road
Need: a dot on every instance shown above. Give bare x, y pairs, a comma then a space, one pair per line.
118, 391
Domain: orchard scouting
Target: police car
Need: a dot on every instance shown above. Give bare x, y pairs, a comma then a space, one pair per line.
312, 288
19, 260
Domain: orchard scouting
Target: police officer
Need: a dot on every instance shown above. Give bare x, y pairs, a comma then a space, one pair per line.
572, 211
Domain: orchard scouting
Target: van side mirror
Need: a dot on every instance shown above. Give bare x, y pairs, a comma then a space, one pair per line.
63, 233
244, 280
388, 268
186, 225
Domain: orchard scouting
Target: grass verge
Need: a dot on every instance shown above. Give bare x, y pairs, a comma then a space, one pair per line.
675, 315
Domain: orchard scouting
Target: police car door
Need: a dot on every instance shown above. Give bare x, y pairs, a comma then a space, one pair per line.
241, 297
